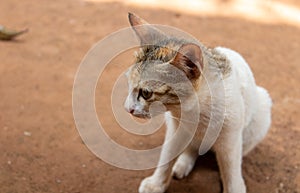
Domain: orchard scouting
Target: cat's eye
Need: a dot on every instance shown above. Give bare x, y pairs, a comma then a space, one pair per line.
146, 94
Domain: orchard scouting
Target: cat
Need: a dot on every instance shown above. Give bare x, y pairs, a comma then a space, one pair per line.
248, 107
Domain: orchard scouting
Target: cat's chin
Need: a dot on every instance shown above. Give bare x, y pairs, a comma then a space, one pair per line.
142, 116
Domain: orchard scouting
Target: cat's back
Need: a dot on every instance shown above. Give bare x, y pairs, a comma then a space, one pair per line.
239, 66
241, 71
242, 79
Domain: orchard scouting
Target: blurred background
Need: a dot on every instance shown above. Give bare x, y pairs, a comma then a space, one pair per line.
41, 150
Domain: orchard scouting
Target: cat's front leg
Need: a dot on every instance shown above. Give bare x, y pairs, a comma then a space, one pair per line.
185, 163
160, 180
229, 156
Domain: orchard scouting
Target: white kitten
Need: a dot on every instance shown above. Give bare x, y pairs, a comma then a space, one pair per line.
248, 107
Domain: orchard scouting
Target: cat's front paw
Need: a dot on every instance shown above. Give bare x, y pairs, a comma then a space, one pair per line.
152, 185
181, 170
183, 166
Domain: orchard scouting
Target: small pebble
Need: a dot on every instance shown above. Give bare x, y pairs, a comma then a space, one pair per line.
83, 165
58, 181
281, 185
26, 133
8, 162
267, 178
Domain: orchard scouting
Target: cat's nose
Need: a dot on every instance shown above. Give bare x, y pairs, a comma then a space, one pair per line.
131, 111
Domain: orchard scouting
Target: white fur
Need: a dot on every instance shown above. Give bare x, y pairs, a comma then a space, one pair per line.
247, 120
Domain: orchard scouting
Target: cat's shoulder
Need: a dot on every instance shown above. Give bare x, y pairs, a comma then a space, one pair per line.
241, 71
236, 60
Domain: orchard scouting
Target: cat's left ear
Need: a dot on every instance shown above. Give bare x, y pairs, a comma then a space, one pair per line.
146, 33
189, 59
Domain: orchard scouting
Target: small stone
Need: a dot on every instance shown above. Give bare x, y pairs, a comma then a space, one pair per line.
8, 162
141, 143
58, 181
83, 165
281, 185
5, 128
26, 133
267, 178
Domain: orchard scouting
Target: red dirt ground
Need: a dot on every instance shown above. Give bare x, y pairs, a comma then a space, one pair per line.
37, 73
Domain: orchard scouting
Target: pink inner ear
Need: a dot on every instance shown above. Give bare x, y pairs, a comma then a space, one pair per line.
193, 53
189, 60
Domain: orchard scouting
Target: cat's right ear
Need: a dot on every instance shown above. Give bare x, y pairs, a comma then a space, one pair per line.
146, 33
189, 59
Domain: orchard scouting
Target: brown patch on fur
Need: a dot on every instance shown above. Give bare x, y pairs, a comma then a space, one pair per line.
219, 61
154, 53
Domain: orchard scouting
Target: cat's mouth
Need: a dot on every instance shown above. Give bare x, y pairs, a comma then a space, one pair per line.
142, 116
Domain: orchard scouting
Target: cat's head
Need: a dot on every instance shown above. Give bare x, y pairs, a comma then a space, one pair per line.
164, 68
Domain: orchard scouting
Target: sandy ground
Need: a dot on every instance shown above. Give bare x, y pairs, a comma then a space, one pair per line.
41, 150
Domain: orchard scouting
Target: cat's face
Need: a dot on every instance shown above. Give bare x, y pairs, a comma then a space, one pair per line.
161, 71
144, 90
